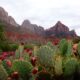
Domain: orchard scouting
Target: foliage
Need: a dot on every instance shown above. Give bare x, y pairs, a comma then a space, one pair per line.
19, 52
2, 34
69, 66
3, 73
13, 47
63, 45
69, 49
43, 76
28, 46
24, 68
4, 46
8, 69
45, 56
58, 68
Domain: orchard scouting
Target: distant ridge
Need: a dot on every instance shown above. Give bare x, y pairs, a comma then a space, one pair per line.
61, 31
28, 31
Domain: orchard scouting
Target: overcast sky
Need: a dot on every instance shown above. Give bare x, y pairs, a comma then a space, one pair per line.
45, 12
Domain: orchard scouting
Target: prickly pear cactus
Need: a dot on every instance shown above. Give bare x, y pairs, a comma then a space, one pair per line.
69, 66
3, 73
24, 68
17, 55
58, 65
21, 49
63, 45
69, 49
45, 56
26, 57
8, 69
19, 52
50, 45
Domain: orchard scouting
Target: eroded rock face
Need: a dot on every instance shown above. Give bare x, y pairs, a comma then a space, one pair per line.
12, 21
27, 25
3, 14
59, 27
73, 33
32, 27
60, 30
29, 30
5, 17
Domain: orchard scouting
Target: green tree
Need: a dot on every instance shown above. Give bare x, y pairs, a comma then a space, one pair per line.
2, 34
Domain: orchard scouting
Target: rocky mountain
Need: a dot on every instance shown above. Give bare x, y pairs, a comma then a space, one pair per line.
33, 28
5, 17
29, 31
60, 30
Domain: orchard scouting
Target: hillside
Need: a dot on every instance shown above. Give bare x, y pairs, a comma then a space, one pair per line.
32, 32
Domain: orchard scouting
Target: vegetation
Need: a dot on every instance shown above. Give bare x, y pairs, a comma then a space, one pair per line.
39, 62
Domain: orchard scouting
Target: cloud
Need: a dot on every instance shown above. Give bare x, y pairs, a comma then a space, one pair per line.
45, 12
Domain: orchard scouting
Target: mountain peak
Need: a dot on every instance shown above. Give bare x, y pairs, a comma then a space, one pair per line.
59, 22
5, 17
60, 30
59, 27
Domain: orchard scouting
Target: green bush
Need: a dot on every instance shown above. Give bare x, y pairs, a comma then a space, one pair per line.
4, 46
28, 46
13, 47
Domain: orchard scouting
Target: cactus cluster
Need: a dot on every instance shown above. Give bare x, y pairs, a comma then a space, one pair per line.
19, 52
63, 45
24, 68
58, 68
45, 56
48, 62
69, 66
3, 73
58, 59
7, 68
69, 49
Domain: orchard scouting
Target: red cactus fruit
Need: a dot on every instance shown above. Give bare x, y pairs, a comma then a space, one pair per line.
33, 61
5, 54
8, 62
15, 75
35, 70
30, 53
9, 78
